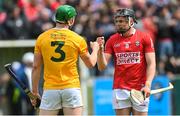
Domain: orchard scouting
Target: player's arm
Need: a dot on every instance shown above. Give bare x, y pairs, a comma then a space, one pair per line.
91, 59
151, 64
103, 58
36, 72
150, 72
151, 68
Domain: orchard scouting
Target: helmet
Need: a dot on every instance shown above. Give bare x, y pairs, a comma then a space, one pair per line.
28, 57
125, 12
64, 13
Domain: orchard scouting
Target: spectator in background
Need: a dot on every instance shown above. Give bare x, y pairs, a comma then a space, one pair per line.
27, 65
161, 68
178, 65
172, 67
16, 24
23, 71
11, 96
4, 101
31, 10
52, 4
176, 31
165, 40
43, 23
145, 17
3, 18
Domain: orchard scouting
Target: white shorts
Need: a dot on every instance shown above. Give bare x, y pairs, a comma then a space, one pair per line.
57, 99
121, 100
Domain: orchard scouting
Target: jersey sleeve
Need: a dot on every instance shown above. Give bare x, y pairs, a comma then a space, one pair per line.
83, 47
37, 45
148, 44
108, 46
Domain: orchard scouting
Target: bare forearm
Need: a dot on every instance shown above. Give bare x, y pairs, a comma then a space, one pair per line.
35, 79
150, 74
101, 60
93, 58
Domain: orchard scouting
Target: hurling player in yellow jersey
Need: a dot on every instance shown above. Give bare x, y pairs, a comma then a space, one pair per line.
58, 49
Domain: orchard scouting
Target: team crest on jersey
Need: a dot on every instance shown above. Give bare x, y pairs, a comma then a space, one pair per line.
127, 44
137, 43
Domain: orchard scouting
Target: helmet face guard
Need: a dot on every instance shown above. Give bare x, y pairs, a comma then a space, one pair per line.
65, 13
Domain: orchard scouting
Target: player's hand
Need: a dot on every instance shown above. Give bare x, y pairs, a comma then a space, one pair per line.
34, 101
100, 41
94, 45
146, 91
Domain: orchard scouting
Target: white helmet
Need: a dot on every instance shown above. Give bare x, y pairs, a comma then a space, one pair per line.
28, 57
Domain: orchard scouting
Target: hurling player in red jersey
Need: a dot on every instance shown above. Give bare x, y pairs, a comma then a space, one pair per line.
134, 59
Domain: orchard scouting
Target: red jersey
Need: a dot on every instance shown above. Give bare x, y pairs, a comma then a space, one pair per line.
129, 59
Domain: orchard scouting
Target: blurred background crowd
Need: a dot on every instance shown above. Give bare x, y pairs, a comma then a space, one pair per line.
26, 19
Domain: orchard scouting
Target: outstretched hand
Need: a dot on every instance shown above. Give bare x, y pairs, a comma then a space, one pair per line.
94, 45
34, 101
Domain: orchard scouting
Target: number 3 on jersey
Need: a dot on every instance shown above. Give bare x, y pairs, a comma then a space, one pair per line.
58, 50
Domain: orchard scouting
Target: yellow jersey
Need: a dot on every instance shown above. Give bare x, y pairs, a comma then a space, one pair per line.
60, 49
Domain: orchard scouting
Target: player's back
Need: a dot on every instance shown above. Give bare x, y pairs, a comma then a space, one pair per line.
60, 49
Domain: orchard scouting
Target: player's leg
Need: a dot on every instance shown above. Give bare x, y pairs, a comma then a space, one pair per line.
50, 102
141, 109
125, 111
51, 112
121, 102
135, 112
72, 101
73, 111
48, 112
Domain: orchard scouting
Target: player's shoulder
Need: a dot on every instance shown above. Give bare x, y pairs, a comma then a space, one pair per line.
74, 35
44, 34
115, 35
143, 36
